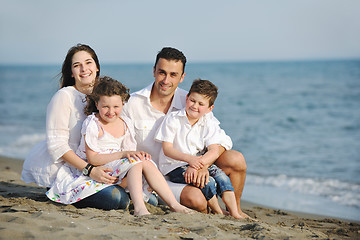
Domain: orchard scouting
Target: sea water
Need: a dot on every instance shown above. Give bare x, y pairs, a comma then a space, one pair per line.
297, 124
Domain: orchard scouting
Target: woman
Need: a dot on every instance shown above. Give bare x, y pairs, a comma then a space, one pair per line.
64, 118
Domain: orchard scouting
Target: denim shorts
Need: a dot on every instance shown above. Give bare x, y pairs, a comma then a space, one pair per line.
177, 176
223, 182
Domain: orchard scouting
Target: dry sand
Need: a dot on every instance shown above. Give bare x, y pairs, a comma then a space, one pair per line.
26, 213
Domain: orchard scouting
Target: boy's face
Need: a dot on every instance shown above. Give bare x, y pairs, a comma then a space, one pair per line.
197, 105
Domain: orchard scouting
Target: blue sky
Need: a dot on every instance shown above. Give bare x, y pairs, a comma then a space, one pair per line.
41, 32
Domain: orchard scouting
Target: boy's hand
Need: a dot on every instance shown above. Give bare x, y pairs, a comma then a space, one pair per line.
201, 178
196, 162
190, 174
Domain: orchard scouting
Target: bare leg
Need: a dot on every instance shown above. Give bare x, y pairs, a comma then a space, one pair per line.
230, 202
234, 165
157, 182
134, 180
214, 205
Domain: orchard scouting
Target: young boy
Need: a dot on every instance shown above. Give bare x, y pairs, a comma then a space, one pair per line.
190, 141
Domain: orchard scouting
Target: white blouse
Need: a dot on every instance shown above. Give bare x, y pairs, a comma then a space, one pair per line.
64, 118
90, 132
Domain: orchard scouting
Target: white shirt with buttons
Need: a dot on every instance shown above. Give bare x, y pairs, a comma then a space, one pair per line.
188, 139
147, 120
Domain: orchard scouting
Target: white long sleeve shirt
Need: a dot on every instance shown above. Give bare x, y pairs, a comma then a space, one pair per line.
64, 118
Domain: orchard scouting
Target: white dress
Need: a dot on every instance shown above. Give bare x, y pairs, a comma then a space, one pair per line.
71, 185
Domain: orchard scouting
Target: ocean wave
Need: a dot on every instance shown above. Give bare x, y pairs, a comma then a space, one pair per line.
344, 193
21, 146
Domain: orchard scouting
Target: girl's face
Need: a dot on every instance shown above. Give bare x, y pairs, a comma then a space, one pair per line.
197, 105
84, 69
109, 108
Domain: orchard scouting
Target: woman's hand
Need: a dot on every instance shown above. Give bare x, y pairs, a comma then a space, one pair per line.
101, 175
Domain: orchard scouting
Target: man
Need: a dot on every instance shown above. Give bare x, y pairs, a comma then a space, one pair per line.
147, 109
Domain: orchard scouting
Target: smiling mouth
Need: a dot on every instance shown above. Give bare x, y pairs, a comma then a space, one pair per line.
164, 87
85, 75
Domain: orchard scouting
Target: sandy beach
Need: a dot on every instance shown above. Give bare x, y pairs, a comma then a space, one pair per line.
26, 213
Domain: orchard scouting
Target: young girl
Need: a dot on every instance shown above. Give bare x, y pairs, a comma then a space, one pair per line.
108, 139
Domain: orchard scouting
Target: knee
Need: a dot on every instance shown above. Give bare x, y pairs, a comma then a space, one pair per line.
147, 164
240, 161
198, 204
212, 181
194, 199
233, 161
119, 199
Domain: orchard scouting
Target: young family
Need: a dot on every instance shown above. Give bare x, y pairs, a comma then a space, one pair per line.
102, 144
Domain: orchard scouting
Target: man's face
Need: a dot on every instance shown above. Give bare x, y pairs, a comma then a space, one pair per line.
168, 74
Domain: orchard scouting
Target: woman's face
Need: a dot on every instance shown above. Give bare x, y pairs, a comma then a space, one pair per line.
84, 69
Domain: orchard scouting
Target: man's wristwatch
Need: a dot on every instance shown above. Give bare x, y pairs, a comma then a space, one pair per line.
86, 170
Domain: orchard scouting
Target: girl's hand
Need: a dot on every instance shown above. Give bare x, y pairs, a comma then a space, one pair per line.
196, 162
101, 175
138, 155
147, 156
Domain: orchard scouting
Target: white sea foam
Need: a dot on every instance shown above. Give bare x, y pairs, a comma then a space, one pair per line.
344, 193
21, 146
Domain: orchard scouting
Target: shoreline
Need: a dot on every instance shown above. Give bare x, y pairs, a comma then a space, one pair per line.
27, 212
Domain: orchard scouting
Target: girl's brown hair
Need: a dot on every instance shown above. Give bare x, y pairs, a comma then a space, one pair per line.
106, 86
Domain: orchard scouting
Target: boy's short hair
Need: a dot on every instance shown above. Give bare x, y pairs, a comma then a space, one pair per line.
204, 87
169, 54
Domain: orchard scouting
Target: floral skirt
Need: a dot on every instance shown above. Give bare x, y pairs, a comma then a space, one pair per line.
71, 185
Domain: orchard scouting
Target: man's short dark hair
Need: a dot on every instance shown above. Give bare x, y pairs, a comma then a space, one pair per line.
170, 53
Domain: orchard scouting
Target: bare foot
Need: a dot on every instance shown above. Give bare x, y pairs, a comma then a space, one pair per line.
244, 215
225, 212
141, 212
237, 215
182, 209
